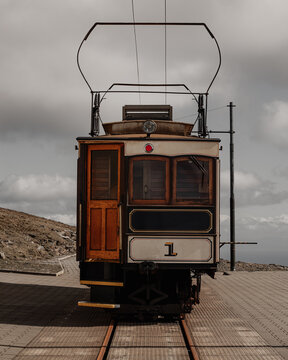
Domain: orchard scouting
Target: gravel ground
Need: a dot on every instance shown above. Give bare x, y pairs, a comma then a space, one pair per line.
224, 266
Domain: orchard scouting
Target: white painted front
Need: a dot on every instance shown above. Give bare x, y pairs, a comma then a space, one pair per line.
173, 148
184, 249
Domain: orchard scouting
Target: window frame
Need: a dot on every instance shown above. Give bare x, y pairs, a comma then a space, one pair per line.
164, 201
109, 178
211, 199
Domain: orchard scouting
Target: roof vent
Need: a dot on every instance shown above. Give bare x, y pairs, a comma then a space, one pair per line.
147, 112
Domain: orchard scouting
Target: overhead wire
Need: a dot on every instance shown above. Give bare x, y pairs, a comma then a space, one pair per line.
190, 115
136, 49
165, 48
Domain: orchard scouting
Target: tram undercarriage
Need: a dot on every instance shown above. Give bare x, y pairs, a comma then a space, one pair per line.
146, 288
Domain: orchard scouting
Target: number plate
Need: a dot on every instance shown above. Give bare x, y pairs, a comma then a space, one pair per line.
170, 249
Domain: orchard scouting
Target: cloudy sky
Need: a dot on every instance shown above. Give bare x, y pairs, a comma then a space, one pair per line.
44, 103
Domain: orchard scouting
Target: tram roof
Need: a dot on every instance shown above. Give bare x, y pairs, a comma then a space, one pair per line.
144, 137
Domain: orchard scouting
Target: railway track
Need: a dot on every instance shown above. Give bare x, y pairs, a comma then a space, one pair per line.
181, 325
188, 340
104, 350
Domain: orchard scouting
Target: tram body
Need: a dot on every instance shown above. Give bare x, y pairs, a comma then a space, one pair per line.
148, 215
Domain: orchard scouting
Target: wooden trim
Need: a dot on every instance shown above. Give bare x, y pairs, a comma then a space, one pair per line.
102, 283
81, 203
98, 305
112, 261
217, 211
167, 178
80, 225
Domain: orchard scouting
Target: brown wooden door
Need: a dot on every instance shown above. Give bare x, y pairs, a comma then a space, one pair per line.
103, 199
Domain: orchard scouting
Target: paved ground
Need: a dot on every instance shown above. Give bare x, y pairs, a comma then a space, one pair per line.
39, 317
220, 331
243, 315
261, 300
155, 340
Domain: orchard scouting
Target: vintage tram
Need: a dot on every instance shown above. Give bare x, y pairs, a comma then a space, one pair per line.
147, 209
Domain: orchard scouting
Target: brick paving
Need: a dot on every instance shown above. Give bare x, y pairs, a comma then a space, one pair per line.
38, 312
219, 332
151, 340
244, 315
260, 299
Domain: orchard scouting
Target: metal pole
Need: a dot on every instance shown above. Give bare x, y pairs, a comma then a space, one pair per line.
232, 198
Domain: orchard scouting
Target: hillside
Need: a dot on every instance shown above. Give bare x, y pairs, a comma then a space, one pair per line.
25, 237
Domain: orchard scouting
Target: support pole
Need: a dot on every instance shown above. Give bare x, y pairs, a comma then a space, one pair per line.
232, 198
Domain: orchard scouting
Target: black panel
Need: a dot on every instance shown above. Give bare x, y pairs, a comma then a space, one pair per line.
172, 220
100, 271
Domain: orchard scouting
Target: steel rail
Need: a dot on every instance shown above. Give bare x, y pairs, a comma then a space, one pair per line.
104, 349
107, 341
188, 340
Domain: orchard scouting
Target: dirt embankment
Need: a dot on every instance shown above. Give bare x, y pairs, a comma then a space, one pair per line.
26, 238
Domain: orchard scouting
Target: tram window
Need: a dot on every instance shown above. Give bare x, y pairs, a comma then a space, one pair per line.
149, 180
192, 180
104, 174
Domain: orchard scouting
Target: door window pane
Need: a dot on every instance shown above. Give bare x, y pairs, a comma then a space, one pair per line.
192, 180
104, 174
149, 179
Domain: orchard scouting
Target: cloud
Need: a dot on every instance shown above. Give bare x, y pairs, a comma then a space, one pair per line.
250, 190
43, 195
66, 219
242, 180
274, 124
283, 171
36, 188
44, 95
257, 223
270, 233
41, 119
224, 218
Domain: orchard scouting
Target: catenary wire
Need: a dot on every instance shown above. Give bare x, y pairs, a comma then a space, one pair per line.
214, 109
165, 46
136, 49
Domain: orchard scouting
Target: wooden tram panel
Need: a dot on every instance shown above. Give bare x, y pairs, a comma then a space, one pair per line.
103, 199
